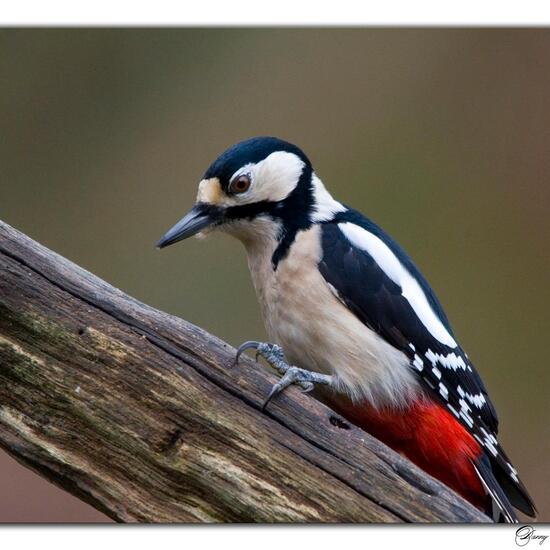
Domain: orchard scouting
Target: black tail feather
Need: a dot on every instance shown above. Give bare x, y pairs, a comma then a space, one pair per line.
499, 507
516, 492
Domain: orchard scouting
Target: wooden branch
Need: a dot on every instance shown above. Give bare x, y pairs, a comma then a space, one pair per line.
142, 415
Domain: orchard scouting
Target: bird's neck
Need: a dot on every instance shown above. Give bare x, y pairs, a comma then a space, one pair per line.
325, 207
260, 235
271, 235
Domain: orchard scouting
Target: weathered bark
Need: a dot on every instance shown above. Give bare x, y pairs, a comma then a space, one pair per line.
144, 416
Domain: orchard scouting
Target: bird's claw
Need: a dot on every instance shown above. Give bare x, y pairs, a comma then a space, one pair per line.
294, 375
274, 355
250, 344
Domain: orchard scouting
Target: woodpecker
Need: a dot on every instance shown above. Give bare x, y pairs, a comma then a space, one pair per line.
346, 310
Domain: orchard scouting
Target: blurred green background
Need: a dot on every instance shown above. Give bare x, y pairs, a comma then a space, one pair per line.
442, 136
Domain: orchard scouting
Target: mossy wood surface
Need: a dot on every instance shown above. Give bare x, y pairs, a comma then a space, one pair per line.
144, 415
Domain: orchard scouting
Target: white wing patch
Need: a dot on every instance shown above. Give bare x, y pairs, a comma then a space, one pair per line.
450, 361
397, 272
478, 399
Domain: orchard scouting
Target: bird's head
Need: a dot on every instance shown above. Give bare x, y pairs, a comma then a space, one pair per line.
260, 186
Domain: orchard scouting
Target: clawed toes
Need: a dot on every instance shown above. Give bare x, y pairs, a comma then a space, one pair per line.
272, 353
250, 344
288, 379
303, 378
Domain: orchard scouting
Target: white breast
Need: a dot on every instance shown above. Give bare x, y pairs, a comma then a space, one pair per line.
318, 332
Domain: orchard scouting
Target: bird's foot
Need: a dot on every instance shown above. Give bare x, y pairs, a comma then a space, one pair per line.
274, 355
294, 375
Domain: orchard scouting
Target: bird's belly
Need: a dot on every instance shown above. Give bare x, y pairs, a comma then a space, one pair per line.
319, 333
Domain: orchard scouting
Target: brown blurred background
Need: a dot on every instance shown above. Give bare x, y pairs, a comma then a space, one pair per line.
441, 136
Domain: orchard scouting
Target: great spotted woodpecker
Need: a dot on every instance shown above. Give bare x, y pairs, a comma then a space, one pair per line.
354, 314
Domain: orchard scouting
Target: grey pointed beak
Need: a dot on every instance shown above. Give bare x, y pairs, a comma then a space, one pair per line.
197, 219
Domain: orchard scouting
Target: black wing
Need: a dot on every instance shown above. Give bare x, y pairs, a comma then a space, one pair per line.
364, 287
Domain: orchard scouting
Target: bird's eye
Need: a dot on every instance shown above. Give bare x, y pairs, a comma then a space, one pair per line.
240, 184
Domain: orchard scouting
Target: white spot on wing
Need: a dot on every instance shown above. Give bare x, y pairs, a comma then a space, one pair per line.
513, 473
489, 442
450, 361
467, 418
453, 410
418, 363
395, 270
465, 413
478, 400
463, 404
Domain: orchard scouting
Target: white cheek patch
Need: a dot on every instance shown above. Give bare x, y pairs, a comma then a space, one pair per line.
394, 269
273, 179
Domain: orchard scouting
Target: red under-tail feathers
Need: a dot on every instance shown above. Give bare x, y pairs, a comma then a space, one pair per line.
428, 435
